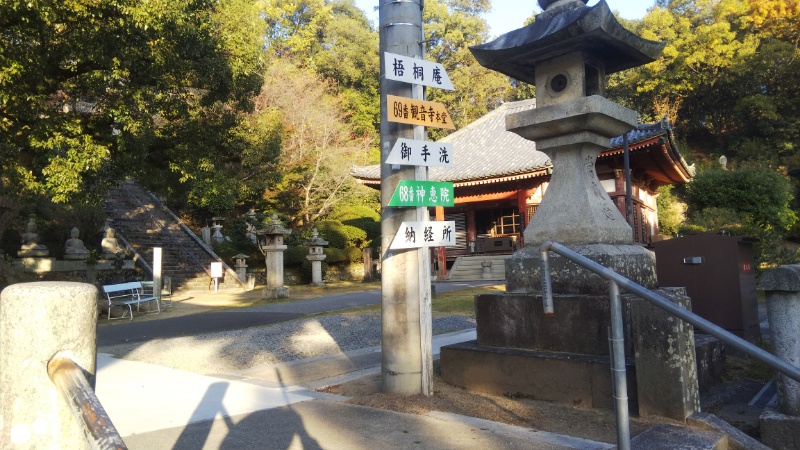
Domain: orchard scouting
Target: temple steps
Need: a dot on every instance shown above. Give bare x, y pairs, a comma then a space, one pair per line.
469, 268
136, 217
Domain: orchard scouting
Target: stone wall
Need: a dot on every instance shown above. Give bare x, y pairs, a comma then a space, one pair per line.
294, 276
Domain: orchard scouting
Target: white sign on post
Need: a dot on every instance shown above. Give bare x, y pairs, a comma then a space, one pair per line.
416, 71
425, 234
410, 152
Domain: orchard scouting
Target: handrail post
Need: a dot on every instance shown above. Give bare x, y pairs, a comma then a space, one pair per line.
547, 287
618, 368
40, 321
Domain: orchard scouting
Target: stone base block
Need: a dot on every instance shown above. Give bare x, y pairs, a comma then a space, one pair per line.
276, 293
577, 380
779, 431
710, 354
671, 437
523, 269
580, 324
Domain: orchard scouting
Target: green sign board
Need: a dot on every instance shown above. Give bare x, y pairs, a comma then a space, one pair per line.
423, 193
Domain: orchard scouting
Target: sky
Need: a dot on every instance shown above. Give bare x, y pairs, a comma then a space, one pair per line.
507, 15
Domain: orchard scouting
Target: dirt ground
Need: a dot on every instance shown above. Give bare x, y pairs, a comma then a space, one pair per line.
742, 379
596, 425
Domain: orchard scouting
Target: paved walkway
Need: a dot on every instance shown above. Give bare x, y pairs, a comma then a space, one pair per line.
275, 406
239, 318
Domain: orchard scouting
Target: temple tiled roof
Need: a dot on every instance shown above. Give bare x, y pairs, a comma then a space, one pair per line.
484, 150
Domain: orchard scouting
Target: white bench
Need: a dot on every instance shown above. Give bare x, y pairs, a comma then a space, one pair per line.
127, 295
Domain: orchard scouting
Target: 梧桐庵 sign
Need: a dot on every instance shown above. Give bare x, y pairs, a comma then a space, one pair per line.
416, 71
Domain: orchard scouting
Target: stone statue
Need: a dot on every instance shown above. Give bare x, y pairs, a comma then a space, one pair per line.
111, 247
74, 248
30, 242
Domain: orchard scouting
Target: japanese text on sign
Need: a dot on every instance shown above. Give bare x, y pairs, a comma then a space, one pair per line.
423, 193
416, 71
425, 234
418, 112
421, 153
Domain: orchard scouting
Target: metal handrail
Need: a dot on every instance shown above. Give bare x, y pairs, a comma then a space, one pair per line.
616, 280
137, 257
84, 404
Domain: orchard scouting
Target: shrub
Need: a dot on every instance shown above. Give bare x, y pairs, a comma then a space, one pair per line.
758, 194
340, 235
295, 255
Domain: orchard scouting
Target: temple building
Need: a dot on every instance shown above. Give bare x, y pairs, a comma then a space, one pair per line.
500, 178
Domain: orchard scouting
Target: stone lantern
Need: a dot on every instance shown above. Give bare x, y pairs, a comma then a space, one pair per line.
240, 264
270, 241
567, 53
316, 256
216, 229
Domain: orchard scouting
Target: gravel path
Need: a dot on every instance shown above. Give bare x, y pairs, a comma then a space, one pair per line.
228, 351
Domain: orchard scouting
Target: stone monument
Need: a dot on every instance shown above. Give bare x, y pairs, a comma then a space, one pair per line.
110, 246
316, 256
271, 244
567, 53
31, 247
74, 249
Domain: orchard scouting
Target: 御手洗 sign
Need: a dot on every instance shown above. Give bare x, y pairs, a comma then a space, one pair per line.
425, 234
416, 71
418, 112
421, 153
423, 193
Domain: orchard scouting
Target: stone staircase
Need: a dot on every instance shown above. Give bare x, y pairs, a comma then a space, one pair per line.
469, 268
138, 218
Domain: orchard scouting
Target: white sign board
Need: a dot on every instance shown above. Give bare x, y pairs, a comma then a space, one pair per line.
416, 71
425, 234
216, 270
421, 153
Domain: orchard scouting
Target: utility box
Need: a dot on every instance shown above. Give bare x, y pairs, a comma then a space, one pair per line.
719, 276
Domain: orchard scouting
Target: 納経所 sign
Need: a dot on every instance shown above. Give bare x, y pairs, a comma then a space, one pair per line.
425, 234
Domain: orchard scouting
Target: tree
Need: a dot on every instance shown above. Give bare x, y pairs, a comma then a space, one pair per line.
317, 149
452, 26
92, 92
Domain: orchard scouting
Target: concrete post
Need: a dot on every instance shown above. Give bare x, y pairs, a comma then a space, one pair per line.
405, 279
39, 321
157, 273
782, 289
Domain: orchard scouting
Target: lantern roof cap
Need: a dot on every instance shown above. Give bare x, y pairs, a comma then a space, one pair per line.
562, 29
274, 227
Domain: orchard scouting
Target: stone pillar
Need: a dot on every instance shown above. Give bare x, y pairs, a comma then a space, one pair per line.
782, 289
39, 321
780, 429
316, 256
271, 245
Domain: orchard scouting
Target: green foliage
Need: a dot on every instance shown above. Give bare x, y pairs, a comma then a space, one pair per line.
295, 255
334, 255
238, 242
341, 236
671, 211
757, 195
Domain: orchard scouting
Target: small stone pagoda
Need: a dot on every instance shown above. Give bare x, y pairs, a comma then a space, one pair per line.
567, 53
